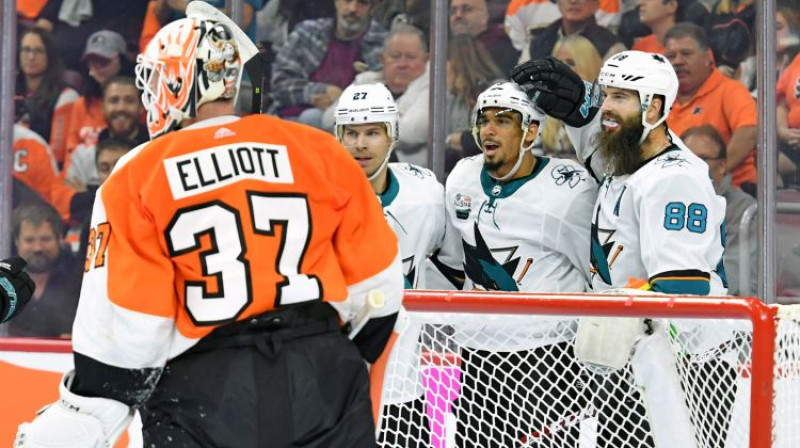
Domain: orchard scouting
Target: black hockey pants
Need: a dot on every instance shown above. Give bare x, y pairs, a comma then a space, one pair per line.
288, 378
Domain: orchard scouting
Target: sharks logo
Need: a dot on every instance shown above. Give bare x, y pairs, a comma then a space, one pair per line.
410, 272
416, 171
482, 268
598, 256
671, 159
569, 175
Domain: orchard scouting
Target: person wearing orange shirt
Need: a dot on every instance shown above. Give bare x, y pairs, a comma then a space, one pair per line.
225, 255
659, 16
105, 55
35, 167
788, 114
706, 96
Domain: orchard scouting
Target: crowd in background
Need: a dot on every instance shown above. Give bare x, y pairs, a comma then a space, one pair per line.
78, 110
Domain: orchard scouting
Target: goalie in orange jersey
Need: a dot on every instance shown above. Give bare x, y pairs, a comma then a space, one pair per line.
223, 259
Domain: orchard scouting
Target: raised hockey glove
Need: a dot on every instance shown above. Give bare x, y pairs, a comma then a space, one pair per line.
75, 422
557, 90
16, 287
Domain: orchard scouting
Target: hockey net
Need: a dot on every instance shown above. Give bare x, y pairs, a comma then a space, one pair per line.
500, 370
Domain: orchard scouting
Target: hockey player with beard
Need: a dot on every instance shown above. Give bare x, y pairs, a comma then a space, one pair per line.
413, 204
515, 222
657, 216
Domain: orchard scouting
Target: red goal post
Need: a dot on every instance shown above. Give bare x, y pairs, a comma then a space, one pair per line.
456, 313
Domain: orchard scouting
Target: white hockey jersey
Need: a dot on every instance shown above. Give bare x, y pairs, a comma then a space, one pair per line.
663, 223
413, 204
530, 234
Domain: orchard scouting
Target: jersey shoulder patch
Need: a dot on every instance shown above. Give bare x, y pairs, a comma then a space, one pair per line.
569, 174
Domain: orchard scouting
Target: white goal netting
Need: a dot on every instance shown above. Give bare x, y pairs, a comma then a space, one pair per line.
484, 379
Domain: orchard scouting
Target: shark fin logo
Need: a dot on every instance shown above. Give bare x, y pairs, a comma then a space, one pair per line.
410, 272
482, 268
600, 256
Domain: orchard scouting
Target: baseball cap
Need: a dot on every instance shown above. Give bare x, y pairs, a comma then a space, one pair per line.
104, 43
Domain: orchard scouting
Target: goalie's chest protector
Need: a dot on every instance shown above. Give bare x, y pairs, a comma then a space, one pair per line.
413, 205
528, 234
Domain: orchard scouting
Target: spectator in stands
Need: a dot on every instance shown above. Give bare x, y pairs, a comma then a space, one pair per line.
43, 100
708, 144
580, 55
730, 28
169, 10
705, 96
788, 118
122, 108
35, 168
37, 237
73, 22
527, 17
405, 74
470, 70
787, 40
106, 57
659, 16
107, 154
577, 17
472, 17
321, 58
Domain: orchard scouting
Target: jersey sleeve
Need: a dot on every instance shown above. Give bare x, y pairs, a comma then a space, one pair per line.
574, 232
125, 323
584, 141
680, 228
369, 257
449, 259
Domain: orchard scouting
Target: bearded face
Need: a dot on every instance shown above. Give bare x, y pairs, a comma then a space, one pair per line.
619, 144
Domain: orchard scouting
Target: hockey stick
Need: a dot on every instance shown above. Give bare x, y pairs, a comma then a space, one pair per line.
375, 302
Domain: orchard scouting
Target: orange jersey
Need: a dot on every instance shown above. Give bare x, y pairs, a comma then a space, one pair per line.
726, 105
224, 220
649, 44
35, 167
85, 125
62, 119
30, 9
789, 88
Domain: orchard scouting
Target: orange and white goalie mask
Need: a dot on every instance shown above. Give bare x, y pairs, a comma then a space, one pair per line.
188, 63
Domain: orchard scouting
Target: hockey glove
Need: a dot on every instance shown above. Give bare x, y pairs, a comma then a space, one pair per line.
16, 287
75, 422
557, 90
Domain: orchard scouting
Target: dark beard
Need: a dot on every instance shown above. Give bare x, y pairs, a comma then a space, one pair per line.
621, 149
492, 166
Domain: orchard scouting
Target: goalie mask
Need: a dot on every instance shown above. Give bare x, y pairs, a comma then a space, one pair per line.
368, 103
508, 96
188, 63
649, 74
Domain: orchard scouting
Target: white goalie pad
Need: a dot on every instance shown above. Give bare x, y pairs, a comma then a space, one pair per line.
75, 422
606, 343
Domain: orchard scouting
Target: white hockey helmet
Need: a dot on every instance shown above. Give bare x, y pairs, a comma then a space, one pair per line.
650, 74
191, 62
368, 103
508, 95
